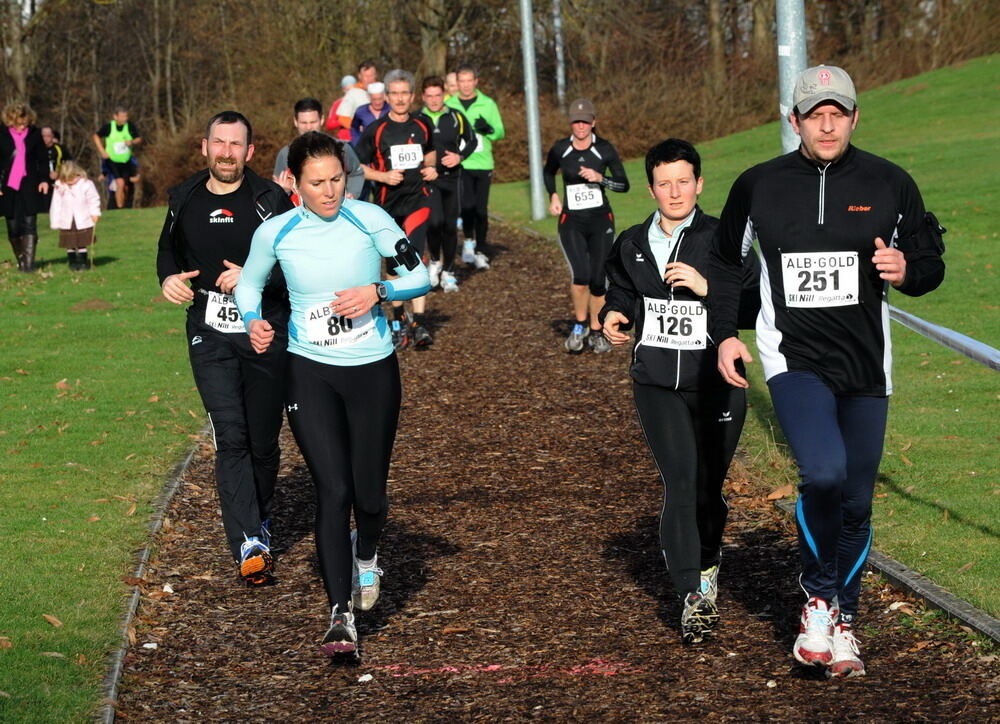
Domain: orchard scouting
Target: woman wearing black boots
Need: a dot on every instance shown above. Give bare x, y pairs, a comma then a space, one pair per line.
24, 181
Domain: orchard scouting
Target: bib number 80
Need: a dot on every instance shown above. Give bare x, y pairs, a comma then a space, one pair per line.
335, 325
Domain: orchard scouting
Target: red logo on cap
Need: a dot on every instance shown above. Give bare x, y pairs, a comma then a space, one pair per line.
824, 77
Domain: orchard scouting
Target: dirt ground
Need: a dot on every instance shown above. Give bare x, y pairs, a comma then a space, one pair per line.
523, 577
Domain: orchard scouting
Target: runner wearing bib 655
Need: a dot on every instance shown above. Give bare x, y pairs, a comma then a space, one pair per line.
343, 379
206, 237
835, 227
690, 418
586, 224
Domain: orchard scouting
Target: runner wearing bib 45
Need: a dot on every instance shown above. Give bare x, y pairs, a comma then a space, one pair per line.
586, 224
690, 418
206, 237
343, 381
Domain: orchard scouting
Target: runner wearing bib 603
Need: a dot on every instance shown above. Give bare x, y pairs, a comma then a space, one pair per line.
690, 419
586, 224
343, 382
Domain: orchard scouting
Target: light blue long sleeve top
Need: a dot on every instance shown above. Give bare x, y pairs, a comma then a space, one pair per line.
319, 257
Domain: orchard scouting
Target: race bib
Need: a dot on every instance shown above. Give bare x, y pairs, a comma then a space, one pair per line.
674, 325
326, 329
404, 156
221, 313
583, 196
120, 148
820, 278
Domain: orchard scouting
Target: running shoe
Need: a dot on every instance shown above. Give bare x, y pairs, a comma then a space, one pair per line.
469, 251
598, 343
697, 618
366, 581
448, 282
265, 532
846, 654
400, 334
814, 644
434, 272
577, 339
342, 636
421, 337
481, 261
256, 563
710, 584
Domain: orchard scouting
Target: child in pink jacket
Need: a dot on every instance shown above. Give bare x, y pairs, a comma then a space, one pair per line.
75, 209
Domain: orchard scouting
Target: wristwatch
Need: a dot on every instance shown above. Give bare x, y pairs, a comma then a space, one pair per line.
382, 291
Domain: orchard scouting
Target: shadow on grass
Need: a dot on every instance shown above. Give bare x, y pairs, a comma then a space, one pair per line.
953, 517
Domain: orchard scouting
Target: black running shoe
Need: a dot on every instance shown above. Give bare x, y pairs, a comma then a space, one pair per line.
421, 337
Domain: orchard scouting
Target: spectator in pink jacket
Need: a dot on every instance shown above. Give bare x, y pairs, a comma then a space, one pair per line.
76, 207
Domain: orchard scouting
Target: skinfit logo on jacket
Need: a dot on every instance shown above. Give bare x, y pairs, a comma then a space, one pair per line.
221, 216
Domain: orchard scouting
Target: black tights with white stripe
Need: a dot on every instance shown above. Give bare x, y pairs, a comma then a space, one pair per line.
692, 436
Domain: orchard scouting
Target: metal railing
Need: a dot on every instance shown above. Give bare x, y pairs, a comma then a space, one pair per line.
971, 348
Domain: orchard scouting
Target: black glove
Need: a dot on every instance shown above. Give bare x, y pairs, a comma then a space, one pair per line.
481, 126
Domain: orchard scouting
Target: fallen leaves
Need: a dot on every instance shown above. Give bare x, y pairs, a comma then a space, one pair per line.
966, 567
783, 492
52, 620
6, 643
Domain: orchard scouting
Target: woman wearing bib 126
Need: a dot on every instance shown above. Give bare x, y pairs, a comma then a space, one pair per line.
691, 419
586, 224
344, 390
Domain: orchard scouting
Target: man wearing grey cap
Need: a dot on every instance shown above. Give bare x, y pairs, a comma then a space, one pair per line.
836, 228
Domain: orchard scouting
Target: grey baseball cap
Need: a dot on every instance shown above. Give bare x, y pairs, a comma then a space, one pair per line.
582, 110
823, 83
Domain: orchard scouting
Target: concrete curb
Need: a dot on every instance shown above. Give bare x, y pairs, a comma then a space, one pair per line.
921, 586
116, 661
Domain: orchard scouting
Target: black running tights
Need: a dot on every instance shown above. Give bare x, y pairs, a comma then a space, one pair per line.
344, 421
692, 436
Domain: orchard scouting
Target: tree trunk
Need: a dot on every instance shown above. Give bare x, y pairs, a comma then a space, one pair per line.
716, 47
763, 40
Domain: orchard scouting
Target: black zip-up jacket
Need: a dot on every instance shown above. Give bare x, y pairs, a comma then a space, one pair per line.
815, 225
269, 200
452, 132
633, 275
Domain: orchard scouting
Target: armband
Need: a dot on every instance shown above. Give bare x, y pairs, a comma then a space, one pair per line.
406, 255
933, 231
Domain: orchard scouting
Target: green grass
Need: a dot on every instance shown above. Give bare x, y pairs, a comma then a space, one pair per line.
96, 394
938, 497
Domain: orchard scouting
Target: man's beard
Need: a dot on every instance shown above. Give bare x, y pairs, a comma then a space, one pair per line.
226, 177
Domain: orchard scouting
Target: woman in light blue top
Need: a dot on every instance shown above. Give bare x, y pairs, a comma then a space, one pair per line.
344, 390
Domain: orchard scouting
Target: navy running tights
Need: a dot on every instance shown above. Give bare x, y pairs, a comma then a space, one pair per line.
837, 444
344, 421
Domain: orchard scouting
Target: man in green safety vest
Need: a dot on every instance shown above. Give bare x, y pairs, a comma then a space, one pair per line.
116, 141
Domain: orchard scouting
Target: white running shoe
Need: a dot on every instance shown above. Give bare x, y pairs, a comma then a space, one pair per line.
342, 636
366, 579
814, 644
846, 654
481, 261
469, 251
448, 282
434, 272
577, 338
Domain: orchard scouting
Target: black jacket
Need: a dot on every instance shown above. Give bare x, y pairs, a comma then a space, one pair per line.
269, 199
36, 166
804, 216
633, 275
